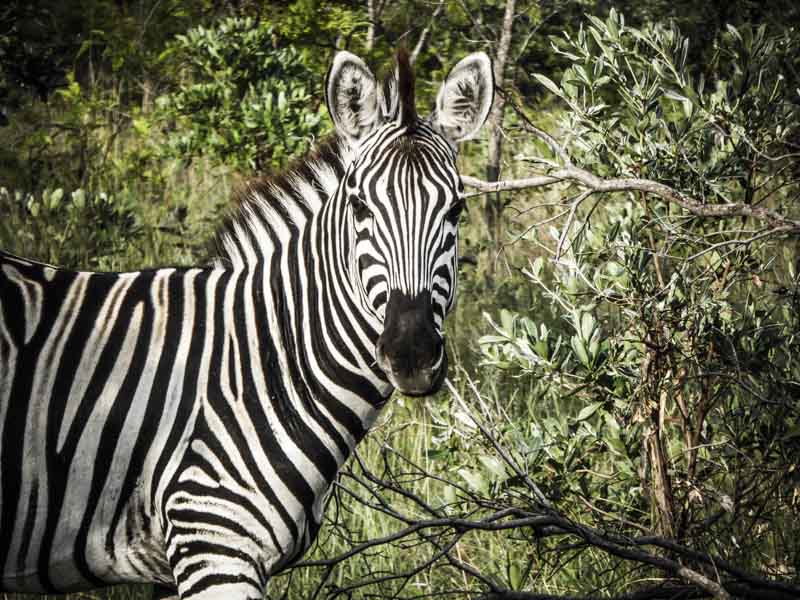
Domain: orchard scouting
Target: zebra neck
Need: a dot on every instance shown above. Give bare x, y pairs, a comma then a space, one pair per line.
339, 334
290, 241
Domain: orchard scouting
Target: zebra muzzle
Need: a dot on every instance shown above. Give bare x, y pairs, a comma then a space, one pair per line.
411, 351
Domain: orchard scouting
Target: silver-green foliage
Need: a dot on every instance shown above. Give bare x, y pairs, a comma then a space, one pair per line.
675, 339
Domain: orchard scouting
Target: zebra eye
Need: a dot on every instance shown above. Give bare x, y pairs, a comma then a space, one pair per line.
360, 209
455, 211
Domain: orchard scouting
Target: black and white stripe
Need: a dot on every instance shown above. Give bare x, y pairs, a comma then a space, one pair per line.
183, 426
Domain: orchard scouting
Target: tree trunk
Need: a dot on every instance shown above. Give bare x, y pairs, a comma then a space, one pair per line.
493, 208
660, 482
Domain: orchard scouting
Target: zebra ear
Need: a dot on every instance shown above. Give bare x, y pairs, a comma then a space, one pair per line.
351, 96
465, 98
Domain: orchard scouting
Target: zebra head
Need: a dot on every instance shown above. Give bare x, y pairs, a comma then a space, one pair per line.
402, 196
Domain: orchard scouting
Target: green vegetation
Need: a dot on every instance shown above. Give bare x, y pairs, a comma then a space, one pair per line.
625, 371
250, 102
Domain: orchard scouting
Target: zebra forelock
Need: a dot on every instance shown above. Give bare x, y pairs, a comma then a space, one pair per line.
405, 91
397, 94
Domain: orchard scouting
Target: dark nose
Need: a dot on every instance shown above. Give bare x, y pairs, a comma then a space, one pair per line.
410, 350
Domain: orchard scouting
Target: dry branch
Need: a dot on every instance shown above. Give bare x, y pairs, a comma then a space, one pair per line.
589, 181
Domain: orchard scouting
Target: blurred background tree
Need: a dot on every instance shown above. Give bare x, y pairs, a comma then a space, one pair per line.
622, 418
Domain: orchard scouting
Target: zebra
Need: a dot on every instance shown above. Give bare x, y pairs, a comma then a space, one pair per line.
183, 426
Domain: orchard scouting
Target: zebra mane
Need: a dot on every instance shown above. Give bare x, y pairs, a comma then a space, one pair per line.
276, 207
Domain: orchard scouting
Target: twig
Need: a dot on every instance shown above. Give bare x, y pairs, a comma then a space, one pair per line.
568, 225
540, 497
423, 37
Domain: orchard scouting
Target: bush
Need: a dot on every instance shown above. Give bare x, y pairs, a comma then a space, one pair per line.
675, 336
76, 229
251, 101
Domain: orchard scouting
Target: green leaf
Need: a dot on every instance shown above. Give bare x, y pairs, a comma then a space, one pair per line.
588, 411
494, 466
549, 84
734, 32
580, 350
515, 576
492, 339
507, 321
688, 108
437, 453
78, 198
55, 198
536, 267
33, 207
674, 95
474, 479
587, 326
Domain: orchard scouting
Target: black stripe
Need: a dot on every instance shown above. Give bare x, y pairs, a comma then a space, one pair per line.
58, 463
154, 411
137, 295
13, 442
188, 394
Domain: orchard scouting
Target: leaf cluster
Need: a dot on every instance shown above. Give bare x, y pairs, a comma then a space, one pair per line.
249, 100
674, 338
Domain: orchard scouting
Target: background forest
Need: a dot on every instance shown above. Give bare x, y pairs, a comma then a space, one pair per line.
622, 418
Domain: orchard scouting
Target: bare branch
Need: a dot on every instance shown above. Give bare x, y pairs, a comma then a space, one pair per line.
487, 524
540, 497
779, 222
489, 187
423, 37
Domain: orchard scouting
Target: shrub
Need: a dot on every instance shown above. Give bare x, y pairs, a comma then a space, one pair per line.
250, 100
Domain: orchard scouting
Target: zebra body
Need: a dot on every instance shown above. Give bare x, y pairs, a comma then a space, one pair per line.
183, 426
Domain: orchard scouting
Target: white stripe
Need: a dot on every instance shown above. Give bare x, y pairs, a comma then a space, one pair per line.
31, 299
94, 345
34, 469
81, 470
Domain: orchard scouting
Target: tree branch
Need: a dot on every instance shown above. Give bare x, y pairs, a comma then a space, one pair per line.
423, 37
588, 180
567, 172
